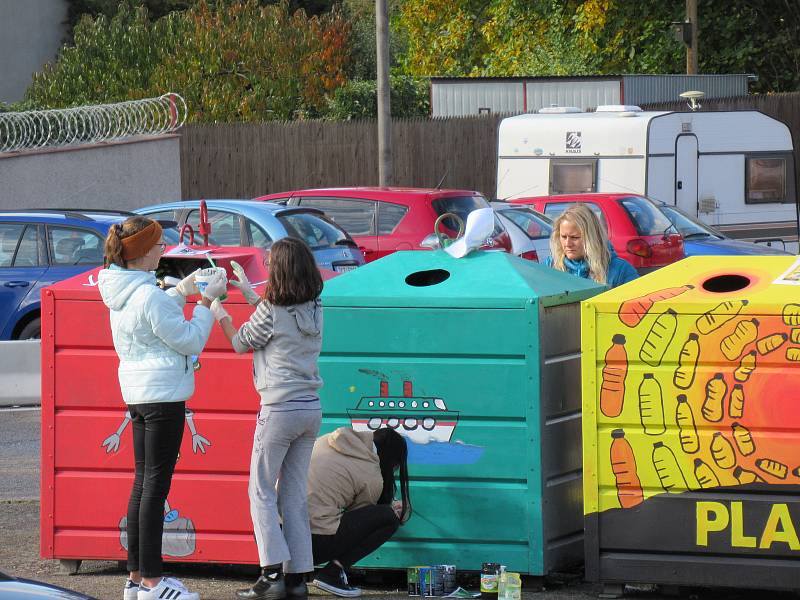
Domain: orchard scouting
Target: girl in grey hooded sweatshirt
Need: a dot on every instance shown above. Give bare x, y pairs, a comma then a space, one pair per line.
285, 335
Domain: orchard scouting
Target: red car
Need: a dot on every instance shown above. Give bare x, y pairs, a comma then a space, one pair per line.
384, 220
638, 230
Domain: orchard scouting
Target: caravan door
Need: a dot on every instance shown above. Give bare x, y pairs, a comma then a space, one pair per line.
686, 174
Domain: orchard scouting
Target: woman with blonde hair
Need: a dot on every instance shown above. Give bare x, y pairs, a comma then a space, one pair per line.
579, 246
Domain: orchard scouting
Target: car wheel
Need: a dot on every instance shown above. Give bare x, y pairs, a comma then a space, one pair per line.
31, 331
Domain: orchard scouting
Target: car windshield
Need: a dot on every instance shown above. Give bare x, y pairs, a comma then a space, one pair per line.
535, 226
646, 217
688, 227
461, 206
315, 230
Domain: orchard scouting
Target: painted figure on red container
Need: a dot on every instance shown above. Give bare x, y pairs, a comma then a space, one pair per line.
351, 500
285, 333
154, 343
579, 245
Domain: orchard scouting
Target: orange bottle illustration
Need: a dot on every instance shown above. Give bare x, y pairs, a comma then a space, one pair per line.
770, 343
722, 451
791, 314
651, 406
734, 344
719, 315
743, 439
623, 463
705, 475
658, 338
668, 470
687, 429
612, 390
795, 335
773, 467
736, 402
746, 366
714, 404
631, 312
743, 476
793, 354
687, 363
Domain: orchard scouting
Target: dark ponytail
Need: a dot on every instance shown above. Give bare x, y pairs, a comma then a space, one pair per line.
116, 233
393, 453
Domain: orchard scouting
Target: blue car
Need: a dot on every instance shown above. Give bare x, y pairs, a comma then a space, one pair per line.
251, 223
701, 240
39, 248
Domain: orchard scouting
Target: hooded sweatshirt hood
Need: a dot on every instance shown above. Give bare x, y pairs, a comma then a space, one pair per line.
117, 285
309, 317
354, 444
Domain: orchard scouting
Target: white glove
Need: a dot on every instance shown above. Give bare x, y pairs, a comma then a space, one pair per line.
243, 284
186, 286
218, 311
216, 286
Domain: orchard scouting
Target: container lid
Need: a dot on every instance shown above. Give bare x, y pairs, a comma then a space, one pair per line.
697, 284
425, 279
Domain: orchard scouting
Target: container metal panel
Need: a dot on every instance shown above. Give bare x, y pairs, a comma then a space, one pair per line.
692, 425
644, 89
585, 94
464, 98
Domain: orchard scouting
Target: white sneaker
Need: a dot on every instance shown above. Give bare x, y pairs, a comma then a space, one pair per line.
130, 591
167, 589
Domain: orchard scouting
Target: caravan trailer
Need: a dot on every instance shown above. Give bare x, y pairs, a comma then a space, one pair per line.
732, 169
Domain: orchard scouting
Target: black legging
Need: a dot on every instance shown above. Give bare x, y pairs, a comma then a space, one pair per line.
157, 435
361, 532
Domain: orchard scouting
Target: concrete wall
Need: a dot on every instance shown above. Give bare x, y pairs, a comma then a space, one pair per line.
31, 33
121, 175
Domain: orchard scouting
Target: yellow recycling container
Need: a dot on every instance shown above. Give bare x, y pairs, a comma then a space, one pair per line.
691, 425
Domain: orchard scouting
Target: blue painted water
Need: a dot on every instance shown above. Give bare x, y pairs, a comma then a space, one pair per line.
443, 453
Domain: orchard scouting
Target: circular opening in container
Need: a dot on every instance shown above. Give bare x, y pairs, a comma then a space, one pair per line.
720, 284
426, 278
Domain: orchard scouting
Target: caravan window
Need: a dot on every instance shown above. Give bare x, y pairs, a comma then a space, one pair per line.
573, 176
769, 179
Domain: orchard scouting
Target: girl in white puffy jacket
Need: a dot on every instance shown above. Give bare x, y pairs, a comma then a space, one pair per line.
154, 343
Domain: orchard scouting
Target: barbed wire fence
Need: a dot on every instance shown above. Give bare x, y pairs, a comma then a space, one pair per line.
91, 124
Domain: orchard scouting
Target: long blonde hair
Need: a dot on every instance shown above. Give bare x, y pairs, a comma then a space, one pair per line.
595, 241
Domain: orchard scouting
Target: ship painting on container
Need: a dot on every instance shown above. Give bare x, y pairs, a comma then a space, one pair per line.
424, 421
691, 426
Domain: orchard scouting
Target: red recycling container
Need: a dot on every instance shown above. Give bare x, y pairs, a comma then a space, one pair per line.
87, 455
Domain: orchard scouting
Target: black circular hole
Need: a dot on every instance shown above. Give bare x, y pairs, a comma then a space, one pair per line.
726, 283
425, 278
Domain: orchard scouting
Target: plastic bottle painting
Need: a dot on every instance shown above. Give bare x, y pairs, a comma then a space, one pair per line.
623, 464
722, 451
733, 345
659, 338
713, 406
651, 406
684, 417
668, 470
612, 390
719, 315
631, 312
687, 363
736, 402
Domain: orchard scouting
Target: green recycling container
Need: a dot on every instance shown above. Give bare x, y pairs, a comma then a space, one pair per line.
476, 361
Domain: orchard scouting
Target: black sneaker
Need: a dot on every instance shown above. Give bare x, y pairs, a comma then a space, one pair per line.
334, 580
268, 587
296, 588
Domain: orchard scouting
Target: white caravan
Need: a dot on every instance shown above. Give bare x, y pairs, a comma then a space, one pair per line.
732, 169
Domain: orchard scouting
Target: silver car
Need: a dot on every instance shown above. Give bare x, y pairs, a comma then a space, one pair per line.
529, 229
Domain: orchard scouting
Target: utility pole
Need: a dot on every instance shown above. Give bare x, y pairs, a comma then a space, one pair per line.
385, 174
691, 50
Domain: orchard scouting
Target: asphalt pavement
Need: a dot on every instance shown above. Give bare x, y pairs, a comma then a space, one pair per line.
19, 547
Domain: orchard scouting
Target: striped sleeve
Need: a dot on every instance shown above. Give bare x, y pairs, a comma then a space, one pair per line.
257, 332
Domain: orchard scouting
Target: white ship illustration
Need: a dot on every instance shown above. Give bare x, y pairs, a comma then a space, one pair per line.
422, 419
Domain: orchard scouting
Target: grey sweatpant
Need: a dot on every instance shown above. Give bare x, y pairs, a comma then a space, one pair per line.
282, 447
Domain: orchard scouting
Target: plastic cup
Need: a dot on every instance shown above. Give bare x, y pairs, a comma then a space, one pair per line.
204, 276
